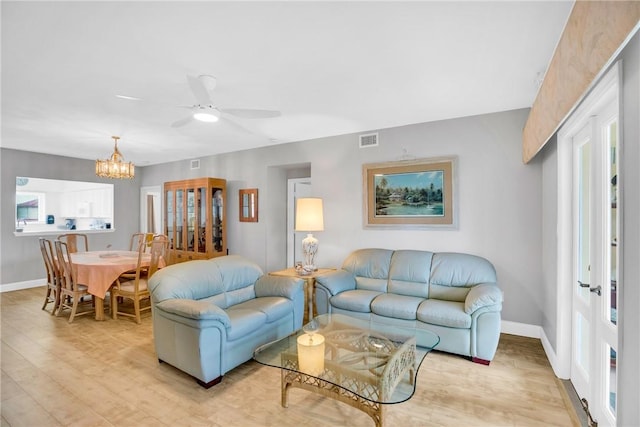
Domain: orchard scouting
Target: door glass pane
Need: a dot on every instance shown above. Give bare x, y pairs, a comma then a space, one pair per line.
612, 133
611, 385
584, 223
169, 216
201, 209
216, 213
179, 220
582, 349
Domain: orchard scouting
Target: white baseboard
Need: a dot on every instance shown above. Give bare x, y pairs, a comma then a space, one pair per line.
553, 358
22, 285
521, 329
533, 331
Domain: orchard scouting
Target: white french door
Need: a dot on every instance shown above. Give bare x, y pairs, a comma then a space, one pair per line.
594, 332
297, 187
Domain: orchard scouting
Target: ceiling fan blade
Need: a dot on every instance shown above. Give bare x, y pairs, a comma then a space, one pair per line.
182, 122
199, 90
248, 113
237, 126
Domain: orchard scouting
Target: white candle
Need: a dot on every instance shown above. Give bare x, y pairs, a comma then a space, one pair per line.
311, 354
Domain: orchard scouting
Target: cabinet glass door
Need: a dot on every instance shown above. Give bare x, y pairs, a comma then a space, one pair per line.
201, 221
179, 219
191, 219
217, 210
169, 215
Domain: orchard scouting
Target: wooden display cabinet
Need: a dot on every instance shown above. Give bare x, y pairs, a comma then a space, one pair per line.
194, 218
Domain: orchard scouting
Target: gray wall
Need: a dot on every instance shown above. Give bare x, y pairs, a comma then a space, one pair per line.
499, 198
549, 158
20, 258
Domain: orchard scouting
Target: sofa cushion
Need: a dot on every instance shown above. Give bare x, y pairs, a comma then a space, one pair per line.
195, 310
237, 272
444, 313
220, 300
200, 279
369, 284
370, 267
356, 300
193, 280
452, 274
454, 269
274, 307
244, 321
396, 306
236, 296
409, 273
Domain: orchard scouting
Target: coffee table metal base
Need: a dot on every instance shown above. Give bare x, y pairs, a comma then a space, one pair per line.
399, 364
292, 379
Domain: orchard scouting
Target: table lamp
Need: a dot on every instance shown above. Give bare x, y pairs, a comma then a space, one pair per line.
309, 217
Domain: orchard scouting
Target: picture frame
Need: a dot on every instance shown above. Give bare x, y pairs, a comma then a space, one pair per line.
248, 205
416, 193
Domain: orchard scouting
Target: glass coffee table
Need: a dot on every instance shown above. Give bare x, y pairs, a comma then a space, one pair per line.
362, 363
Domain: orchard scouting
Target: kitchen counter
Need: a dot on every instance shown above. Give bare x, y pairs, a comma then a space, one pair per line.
57, 232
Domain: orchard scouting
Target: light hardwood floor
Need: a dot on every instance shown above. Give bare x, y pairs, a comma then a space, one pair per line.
92, 373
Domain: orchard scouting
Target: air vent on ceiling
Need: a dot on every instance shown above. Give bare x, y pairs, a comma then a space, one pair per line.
195, 164
369, 140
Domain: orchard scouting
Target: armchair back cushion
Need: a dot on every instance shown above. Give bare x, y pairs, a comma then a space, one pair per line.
221, 283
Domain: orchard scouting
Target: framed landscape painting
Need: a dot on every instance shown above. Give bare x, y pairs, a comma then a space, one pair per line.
414, 193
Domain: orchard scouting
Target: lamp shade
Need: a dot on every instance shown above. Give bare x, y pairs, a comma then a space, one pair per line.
309, 215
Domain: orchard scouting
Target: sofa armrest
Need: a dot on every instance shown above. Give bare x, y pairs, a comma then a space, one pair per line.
482, 295
278, 286
194, 309
337, 281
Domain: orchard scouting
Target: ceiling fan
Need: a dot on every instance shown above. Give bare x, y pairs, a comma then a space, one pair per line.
205, 111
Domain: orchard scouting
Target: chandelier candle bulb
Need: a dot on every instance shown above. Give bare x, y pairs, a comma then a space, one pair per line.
311, 354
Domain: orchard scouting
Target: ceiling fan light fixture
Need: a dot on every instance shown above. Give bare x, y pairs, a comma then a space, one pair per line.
115, 167
208, 115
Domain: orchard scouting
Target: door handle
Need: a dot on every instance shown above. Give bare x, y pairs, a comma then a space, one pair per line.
596, 290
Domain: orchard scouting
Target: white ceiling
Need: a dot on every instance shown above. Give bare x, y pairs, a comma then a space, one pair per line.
330, 68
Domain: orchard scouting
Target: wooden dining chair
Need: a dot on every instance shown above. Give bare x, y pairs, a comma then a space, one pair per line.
137, 289
53, 275
169, 254
72, 239
71, 292
137, 238
159, 253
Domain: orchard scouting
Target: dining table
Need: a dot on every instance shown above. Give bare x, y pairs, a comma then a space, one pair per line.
99, 270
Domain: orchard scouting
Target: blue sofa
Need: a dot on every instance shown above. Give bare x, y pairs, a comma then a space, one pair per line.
452, 294
210, 315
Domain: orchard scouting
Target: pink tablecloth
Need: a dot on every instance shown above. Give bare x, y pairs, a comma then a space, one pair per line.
99, 269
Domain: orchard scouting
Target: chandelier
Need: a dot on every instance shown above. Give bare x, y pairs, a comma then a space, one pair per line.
115, 166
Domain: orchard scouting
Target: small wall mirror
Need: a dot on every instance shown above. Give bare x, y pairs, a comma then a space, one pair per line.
248, 205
